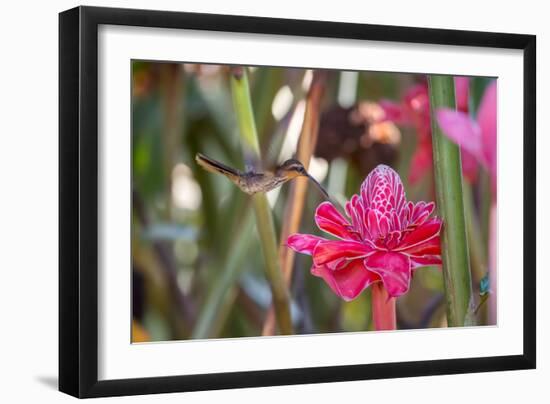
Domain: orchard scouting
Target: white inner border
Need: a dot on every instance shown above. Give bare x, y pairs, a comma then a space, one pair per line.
118, 358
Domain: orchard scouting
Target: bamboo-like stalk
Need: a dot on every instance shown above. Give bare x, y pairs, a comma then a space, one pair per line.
264, 219
478, 254
450, 201
296, 199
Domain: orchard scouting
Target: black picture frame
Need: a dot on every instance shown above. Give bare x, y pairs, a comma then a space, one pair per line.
78, 200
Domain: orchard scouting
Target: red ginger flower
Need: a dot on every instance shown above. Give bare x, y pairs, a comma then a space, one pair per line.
414, 111
477, 136
385, 239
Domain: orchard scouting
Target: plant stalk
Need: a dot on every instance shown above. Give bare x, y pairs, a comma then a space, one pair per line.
475, 243
383, 308
298, 189
264, 219
492, 264
225, 283
450, 201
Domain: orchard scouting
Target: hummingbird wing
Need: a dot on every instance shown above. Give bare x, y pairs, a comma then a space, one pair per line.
215, 166
272, 155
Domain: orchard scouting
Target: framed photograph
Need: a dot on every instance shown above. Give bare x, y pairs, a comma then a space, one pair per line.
252, 201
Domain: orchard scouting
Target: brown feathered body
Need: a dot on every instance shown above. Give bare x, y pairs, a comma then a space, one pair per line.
248, 181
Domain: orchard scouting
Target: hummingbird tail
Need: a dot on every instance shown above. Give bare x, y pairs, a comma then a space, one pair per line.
216, 167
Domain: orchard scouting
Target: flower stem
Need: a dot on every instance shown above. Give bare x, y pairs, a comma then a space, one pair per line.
264, 219
383, 308
450, 201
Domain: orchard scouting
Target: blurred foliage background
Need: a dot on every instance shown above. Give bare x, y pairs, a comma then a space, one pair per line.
197, 267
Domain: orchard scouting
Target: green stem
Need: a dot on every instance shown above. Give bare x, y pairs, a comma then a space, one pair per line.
475, 243
264, 218
448, 181
225, 283
245, 115
267, 82
485, 205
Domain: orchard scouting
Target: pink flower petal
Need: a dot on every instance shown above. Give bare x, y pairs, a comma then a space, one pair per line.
487, 119
372, 224
432, 246
355, 210
394, 112
394, 270
384, 225
417, 105
420, 213
406, 214
421, 162
426, 260
336, 253
392, 240
331, 221
383, 188
303, 243
462, 130
347, 282
462, 93
469, 165
420, 235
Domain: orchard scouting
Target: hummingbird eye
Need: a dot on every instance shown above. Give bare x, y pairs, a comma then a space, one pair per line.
294, 165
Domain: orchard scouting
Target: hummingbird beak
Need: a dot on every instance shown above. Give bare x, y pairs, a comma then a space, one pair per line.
325, 194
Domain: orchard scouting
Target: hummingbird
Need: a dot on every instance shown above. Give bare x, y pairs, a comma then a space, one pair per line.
252, 181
